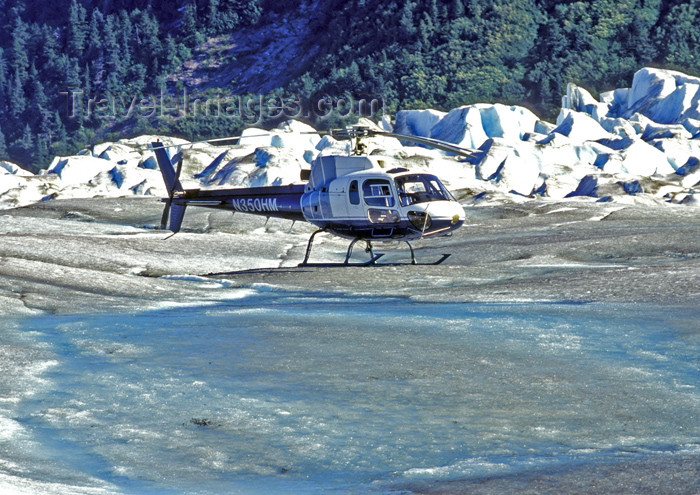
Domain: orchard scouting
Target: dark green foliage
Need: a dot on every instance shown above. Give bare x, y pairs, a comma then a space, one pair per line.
679, 36
77, 29
107, 55
3, 147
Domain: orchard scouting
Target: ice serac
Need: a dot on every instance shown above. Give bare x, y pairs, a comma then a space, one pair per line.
79, 169
416, 122
508, 122
296, 135
649, 87
11, 168
678, 152
254, 137
665, 96
588, 186
520, 172
264, 166
690, 173
471, 125
495, 152
580, 127
645, 160
580, 100
119, 153
461, 126
665, 131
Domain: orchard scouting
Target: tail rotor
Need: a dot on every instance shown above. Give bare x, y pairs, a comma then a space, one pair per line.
171, 177
171, 192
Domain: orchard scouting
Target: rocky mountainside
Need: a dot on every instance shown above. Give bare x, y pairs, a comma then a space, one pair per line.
254, 59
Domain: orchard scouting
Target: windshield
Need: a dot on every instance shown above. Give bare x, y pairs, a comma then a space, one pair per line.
420, 188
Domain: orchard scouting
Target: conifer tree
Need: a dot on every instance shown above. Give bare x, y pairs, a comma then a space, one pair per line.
213, 18
170, 54
27, 139
50, 51
22, 149
115, 63
189, 24
39, 106
58, 129
17, 101
40, 153
125, 37
457, 8
3, 147
407, 21
3, 82
95, 30
77, 29
19, 59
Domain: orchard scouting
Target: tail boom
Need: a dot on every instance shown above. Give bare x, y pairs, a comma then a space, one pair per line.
272, 201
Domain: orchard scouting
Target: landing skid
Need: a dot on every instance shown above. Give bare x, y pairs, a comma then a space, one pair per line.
369, 249
369, 262
373, 262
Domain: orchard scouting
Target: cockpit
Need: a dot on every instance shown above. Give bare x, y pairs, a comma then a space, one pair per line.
421, 188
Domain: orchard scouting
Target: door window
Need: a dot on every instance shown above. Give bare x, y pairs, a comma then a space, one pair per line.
354, 193
377, 192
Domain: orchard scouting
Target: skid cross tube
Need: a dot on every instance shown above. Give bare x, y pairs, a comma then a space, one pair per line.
413, 255
369, 249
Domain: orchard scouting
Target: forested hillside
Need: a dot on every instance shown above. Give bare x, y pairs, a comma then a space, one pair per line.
413, 54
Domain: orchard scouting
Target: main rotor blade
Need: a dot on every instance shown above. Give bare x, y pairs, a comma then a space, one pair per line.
225, 140
350, 133
219, 141
435, 143
359, 132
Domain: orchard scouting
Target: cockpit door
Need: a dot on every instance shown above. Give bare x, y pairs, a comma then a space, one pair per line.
380, 204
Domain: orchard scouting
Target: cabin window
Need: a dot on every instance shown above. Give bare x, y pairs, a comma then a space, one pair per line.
420, 188
377, 192
354, 193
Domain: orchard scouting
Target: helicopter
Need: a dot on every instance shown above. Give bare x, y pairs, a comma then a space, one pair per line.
350, 196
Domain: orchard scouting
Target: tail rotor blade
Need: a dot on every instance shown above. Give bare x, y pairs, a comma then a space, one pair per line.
166, 214
180, 158
171, 193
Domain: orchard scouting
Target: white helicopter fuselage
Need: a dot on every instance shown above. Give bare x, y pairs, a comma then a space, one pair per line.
354, 197
349, 196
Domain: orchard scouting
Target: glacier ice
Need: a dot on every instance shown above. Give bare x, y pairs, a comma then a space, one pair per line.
643, 133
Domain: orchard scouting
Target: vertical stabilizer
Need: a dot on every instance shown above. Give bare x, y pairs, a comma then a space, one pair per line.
172, 181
